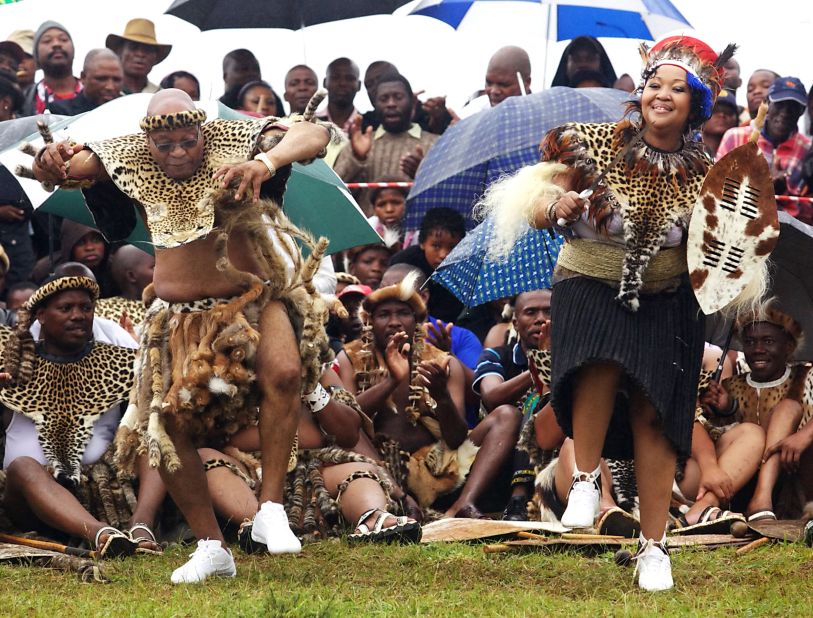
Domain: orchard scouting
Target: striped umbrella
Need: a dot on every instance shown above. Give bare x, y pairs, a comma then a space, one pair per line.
626, 19
473, 153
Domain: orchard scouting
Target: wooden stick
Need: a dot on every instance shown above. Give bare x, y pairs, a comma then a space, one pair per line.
62, 549
753, 545
532, 535
591, 537
497, 548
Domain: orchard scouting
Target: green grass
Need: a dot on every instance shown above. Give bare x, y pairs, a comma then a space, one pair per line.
458, 580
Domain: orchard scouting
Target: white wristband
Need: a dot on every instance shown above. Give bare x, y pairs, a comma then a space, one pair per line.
317, 399
263, 158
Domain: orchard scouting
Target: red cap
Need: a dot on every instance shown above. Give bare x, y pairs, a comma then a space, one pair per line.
364, 290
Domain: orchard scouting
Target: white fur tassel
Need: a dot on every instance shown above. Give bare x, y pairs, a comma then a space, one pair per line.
512, 202
750, 300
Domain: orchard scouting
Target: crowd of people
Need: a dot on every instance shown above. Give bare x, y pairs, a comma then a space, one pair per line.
272, 399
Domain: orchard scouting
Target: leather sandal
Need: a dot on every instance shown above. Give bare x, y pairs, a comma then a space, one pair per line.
712, 520
149, 537
404, 530
617, 522
244, 540
116, 545
764, 515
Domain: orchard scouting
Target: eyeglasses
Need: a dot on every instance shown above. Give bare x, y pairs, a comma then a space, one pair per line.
187, 144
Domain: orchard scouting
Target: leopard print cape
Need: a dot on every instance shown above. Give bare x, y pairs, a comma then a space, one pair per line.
651, 189
64, 400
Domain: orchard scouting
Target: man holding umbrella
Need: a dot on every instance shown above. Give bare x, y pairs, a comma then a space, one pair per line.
218, 288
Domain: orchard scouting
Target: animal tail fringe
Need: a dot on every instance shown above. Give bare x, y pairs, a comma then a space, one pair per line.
752, 298
512, 202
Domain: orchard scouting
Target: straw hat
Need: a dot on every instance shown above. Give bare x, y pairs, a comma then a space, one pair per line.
139, 31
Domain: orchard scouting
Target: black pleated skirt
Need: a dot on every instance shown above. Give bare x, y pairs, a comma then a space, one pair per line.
659, 347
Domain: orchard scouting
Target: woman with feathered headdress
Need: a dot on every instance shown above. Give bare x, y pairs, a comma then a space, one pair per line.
625, 322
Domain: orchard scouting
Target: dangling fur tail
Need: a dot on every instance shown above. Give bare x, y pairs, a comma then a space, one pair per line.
316, 99
752, 298
512, 202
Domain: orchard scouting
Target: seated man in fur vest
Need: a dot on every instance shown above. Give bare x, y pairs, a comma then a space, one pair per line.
232, 334
777, 395
415, 395
63, 394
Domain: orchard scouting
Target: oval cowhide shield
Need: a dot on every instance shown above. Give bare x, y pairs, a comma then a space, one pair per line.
734, 227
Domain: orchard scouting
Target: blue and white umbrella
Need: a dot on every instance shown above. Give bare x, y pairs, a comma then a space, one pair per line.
475, 278
473, 153
626, 19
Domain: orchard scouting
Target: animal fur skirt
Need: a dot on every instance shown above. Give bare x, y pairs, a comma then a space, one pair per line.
196, 363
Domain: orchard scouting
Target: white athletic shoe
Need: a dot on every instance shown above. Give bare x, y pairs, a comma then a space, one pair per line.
653, 566
210, 558
272, 530
582, 505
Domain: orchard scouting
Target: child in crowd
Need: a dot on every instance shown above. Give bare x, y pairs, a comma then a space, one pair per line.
389, 208
368, 262
440, 231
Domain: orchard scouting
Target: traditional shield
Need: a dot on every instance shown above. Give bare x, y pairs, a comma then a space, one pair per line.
734, 227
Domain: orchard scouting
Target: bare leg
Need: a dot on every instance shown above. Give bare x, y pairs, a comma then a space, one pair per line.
31, 490
655, 460
151, 493
232, 498
496, 436
783, 421
188, 487
360, 496
278, 376
548, 433
739, 452
806, 473
593, 401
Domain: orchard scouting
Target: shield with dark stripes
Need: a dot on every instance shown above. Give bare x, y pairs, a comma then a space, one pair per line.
734, 227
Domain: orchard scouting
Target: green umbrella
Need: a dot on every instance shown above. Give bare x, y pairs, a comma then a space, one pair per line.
316, 199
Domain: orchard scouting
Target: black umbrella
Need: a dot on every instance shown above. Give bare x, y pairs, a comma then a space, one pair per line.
290, 14
791, 283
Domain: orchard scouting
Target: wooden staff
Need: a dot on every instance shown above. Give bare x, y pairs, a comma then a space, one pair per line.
524, 534
62, 549
753, 545
591, 537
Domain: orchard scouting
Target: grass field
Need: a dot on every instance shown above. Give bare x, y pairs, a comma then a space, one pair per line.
328, 579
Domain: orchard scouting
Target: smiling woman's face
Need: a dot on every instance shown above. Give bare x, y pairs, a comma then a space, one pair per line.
666, 99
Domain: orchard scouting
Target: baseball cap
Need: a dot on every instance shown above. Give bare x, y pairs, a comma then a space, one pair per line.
726, 97
12, 49
788, 89
364, 290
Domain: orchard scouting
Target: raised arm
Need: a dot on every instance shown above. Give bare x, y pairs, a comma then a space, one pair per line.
65, 162
301, 142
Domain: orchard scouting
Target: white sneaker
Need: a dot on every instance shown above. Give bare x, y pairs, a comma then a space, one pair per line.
210, 558
653, 567
271, 528
582, 505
